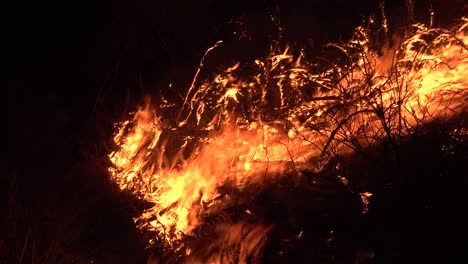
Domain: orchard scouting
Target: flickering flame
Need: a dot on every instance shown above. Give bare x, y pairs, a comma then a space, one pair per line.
288, 116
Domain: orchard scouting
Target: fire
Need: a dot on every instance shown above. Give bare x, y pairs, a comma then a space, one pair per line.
288, 115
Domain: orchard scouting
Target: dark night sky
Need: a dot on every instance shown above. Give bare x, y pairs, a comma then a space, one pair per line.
75, 40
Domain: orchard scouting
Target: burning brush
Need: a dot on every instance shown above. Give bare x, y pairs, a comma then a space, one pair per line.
255, 142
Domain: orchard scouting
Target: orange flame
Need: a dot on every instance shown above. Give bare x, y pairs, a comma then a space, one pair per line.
284, 118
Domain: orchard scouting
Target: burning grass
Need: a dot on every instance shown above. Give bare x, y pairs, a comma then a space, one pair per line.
255, 141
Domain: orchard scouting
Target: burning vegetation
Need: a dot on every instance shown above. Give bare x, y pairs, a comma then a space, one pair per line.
237, 170
348, 152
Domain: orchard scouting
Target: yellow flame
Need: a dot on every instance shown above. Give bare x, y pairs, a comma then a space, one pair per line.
380, 95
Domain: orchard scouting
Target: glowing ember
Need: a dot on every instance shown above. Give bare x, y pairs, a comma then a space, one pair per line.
287, 116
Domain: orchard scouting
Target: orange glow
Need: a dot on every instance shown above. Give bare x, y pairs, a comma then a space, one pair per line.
282, 119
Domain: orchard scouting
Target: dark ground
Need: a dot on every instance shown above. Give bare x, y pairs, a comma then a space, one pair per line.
74, 68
